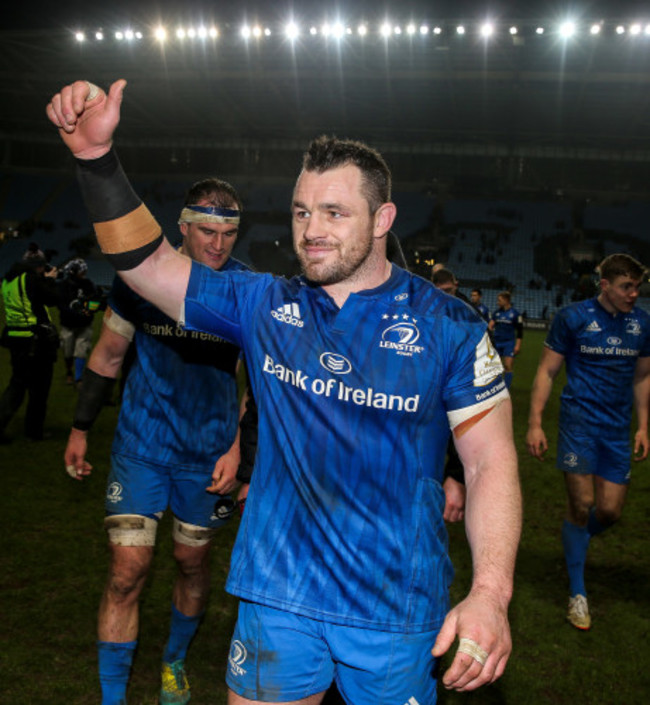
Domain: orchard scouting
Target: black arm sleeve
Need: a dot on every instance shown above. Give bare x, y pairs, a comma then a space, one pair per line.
248, 440
105, 187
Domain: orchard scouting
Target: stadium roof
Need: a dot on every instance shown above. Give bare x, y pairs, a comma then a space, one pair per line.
536, 109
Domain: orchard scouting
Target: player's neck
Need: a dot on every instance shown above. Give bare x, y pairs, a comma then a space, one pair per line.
369, 280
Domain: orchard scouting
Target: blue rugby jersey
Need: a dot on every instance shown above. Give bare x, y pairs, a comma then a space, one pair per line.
343, 520
600, 351
505, 325
180, 404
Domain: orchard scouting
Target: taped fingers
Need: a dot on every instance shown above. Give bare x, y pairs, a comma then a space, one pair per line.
93, 91
471, 648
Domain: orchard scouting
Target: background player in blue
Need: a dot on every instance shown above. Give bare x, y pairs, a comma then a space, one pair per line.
359, 370
179, 415
507, 328
605, 343
476, 299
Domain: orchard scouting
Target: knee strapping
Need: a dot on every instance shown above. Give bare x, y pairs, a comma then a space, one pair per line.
131, 529
190, 534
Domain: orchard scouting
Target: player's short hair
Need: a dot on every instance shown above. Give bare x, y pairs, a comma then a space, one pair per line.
621, 265
219, 192
325, 153
443, 276
506, 295
477, 291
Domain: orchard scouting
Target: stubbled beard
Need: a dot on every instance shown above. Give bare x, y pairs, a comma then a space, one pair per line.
337, 271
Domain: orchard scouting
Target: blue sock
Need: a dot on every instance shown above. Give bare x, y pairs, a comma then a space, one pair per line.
575, 540
114, 669
181, 631
79, 364
594, 527
508, 378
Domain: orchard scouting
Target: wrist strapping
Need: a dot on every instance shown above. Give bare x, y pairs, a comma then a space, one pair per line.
126, 231
94, 391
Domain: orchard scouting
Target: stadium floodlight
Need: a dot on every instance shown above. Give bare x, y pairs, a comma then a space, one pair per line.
437, 30
202, 32
410, 29
245, 32
513, 30
129, 35
338, 30
257, 31
99, 35
424, 29
595, 29
191, 33
539, 30
647, 29
386, 30
119, 36
138, 35
460, 29
397, 30
620, 29
313, 31
291, 30
362, 30
160, 33
80, 36
635, 29
326, 30
567, 29
267, 32
487, 30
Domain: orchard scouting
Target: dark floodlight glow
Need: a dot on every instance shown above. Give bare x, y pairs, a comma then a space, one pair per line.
513, 30
99, 35
437, 30
539, 30
80, 36
460, 29
595, 29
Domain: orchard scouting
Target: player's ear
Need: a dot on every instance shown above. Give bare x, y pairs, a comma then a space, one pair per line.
384, 218
183, 229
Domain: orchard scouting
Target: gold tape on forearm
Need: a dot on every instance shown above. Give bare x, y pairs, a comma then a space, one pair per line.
131, 231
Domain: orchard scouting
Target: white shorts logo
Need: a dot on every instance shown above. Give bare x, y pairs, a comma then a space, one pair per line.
571, 460
237, 656
114, 493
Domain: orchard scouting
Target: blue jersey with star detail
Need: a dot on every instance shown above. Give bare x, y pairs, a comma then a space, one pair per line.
600, 351
343, 520
506, 324
180, 404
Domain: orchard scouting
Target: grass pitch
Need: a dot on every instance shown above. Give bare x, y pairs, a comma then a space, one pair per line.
54, 562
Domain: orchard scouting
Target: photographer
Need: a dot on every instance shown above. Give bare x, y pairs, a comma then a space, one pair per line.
78, 302
27, 289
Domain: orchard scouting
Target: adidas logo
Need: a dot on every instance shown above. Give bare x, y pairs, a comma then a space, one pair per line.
289, 313
593, 327
411, 701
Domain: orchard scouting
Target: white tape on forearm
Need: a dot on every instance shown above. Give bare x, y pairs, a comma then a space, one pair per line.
471, 648
93, 91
